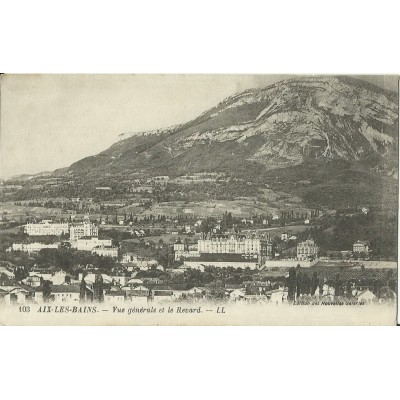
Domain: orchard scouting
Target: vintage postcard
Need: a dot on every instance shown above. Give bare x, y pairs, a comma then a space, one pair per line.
199, 200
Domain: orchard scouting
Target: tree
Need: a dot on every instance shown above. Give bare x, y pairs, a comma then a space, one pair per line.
46, 290
299, 281
204, 228
314, 283
98, 288
82, 290
291, 284
306, 284
337, 286
20, 273
348, 290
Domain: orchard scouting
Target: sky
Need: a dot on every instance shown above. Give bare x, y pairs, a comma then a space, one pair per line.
50, 121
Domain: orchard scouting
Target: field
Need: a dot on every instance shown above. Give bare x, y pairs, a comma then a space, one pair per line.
290, 229
166, 238
22, 211
14, 211
244, 207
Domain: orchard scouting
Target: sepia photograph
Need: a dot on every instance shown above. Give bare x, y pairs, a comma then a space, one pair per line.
140, 199
199, 199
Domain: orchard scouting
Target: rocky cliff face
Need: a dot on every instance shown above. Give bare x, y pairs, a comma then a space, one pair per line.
285, 124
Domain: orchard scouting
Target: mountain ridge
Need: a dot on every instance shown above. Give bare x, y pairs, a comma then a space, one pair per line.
281, 125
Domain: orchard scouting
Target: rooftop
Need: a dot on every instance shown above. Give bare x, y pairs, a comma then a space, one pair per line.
223, 257
364, 242
61, 289
116, 293
161, 287
162, 293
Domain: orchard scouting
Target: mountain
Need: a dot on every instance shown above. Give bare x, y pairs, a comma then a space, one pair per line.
285, 124
328, 123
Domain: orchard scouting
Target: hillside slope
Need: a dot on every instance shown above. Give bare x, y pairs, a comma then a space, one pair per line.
310, 119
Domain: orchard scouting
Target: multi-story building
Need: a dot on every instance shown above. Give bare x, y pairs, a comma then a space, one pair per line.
106, 251
129, 258
250, 246
146, 263
142, 263
114, 203
87, 244
307, 250
46, 227
185, 251
115, 296
32, 247
361, 247
197, 177
85, 229
160, 180
60, 293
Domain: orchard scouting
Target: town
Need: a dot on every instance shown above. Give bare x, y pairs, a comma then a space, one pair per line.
125, 251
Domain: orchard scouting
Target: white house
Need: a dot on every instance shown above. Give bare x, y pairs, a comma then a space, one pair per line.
60, 293
277, 297
307, 249
134, 281
129, 258
185, 251
46, 227
14, 294
138, 295
328, 290
237, 294
85, 229
140, 288
33, 281
58, 278
196, 291
365, 296
361, 247
106, 251
87, 244
137, 298
161, 294
115, 297
43, 275
66, 293
33, 247
146, 263
365, 210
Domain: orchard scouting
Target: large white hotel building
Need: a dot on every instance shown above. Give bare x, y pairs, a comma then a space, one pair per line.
76, 231
47, 227
246, 245
250, 247
86, 229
